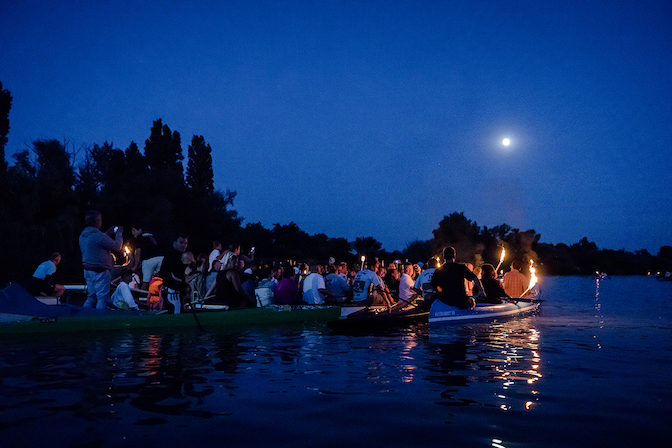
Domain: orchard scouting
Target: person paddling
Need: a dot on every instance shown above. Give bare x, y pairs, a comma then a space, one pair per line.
448, 282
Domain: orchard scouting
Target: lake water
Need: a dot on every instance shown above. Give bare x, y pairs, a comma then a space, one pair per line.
592, 369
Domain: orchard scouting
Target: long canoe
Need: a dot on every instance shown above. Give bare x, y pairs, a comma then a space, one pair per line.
440, 313
22, 313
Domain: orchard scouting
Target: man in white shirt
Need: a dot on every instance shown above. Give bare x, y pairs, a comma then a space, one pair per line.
314, 287
406, 285
424, 280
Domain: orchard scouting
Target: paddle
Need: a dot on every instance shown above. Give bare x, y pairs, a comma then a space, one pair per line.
193, 312
415, 305
522, 299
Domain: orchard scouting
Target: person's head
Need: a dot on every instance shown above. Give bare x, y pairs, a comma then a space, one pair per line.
235, 248
180, 243
517, 265
344, 267
216, 245
470, 266
417, 270
373, 266
55, 258
408, 269
201, 259
394, 273
288, 272
93, 218
136, 230
216, 265
431, 263
187, 258
315, 268
126, 275
449, 253
489, 271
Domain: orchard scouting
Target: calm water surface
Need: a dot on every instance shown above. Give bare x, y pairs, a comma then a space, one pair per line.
593, 368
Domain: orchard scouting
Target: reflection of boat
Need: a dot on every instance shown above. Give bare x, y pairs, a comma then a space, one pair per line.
373, 320
440, 313
20, 312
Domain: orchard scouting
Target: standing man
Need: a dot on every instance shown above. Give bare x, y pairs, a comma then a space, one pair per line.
448, 282
97, 258
515, 282
172, 272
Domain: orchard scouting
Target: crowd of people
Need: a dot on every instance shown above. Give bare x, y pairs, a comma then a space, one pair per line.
174, 278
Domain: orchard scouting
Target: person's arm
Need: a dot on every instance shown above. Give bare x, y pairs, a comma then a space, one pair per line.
135, 259
111, 244
479, 286
234, 278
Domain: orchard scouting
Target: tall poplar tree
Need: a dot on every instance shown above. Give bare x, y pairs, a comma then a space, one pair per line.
163, 150
5, 105
199, 167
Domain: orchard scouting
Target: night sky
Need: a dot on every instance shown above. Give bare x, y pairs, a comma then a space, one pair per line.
373, 118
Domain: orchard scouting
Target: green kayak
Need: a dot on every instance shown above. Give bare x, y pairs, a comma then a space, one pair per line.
20, 315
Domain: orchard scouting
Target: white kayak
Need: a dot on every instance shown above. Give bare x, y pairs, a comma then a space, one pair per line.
440, 313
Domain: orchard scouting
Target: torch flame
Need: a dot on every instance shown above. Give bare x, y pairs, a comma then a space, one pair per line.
501, 259
127, 250
533, 277
438, 262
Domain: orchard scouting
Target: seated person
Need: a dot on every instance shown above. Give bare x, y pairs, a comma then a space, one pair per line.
515, 282
287, 290
266, 287
41, 283
228, 287
212, 275
407, 289
122, 297
494, 291
448, 282
368, 288
423, 282
337, 286
314, 287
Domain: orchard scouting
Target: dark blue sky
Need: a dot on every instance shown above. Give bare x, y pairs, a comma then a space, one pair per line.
374, 118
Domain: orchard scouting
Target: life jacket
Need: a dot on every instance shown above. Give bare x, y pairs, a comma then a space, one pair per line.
154, 298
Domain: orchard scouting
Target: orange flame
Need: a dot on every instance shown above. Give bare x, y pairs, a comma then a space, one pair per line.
533, 277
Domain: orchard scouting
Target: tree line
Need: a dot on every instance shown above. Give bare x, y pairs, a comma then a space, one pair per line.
45, 193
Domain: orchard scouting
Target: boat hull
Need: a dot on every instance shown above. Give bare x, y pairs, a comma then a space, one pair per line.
377, 321
129, 320
440, 313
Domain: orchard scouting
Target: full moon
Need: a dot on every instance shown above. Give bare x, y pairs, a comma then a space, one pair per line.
506, 142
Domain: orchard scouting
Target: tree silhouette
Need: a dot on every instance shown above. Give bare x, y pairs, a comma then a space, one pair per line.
199, 167
5, 105
368, 246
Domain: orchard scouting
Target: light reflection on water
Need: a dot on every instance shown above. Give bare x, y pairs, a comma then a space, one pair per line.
473, 385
